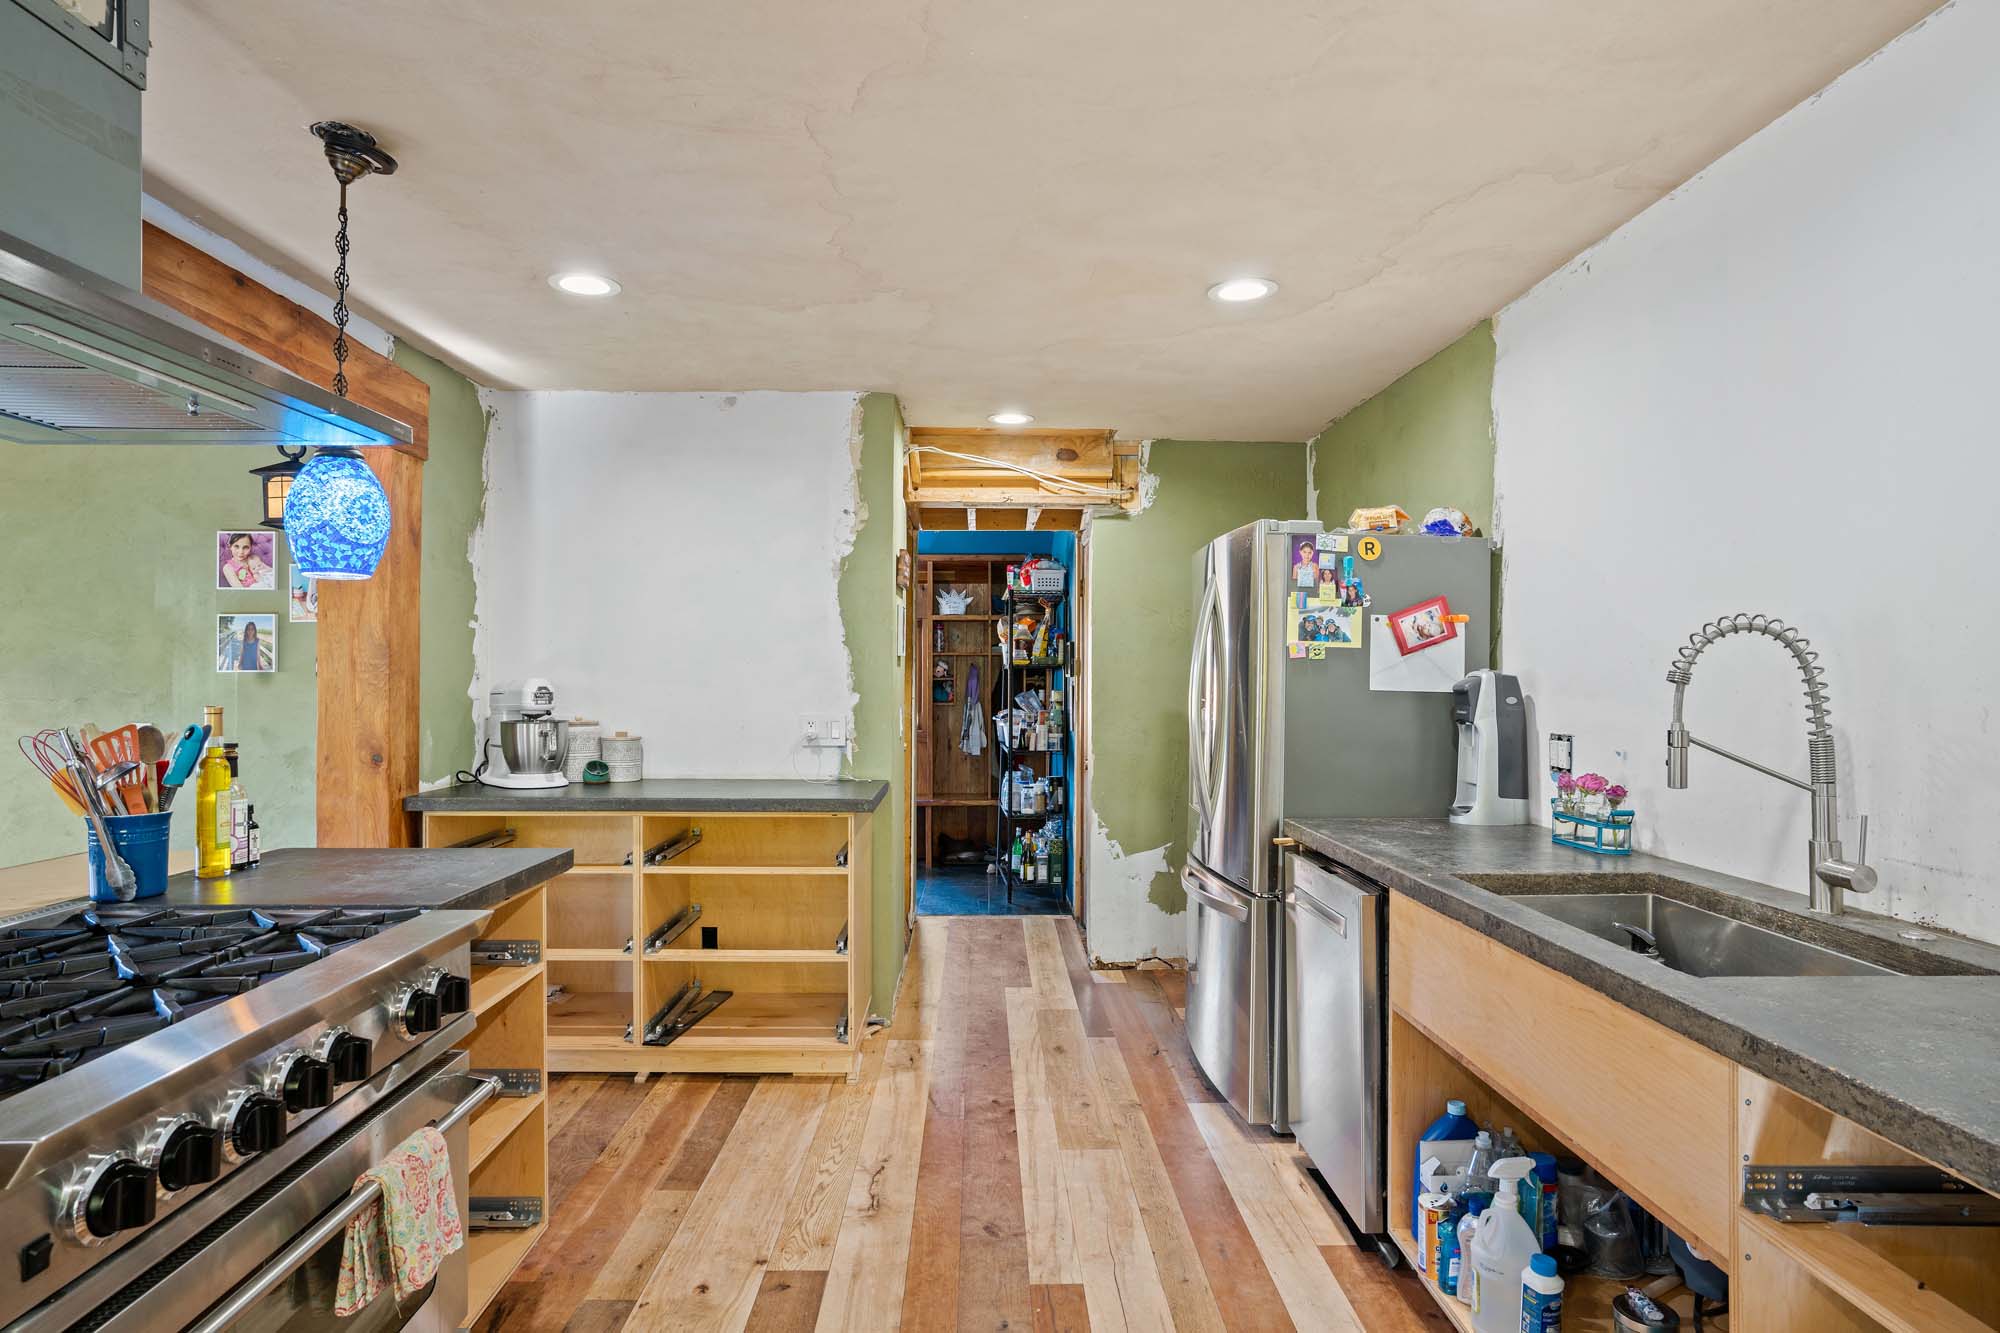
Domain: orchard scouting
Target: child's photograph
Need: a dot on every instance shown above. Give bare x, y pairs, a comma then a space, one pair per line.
246, 561
1305, 563
304, 598
246, 643
1423, 625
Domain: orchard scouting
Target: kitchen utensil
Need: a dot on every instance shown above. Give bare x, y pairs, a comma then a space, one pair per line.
187, 753
109, 749
117, 874
152, 750
39, 751
141, 840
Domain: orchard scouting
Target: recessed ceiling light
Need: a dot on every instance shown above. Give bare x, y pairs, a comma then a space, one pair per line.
1010, 418
1242, 289
584, 284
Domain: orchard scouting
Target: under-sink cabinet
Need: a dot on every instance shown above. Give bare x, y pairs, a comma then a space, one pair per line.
1668, 1121
783, 925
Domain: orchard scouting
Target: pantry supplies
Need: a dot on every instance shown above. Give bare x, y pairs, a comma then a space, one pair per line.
624, 757
1377, 518
1446, 522
586, 742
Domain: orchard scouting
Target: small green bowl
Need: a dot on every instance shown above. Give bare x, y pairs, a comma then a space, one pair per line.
596, 771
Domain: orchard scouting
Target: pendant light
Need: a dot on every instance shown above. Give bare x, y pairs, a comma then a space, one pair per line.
336, 514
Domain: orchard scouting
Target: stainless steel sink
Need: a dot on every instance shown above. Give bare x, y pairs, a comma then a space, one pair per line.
1692, 940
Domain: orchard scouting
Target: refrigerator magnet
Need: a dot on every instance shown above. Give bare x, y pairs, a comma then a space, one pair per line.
1333, 542
1305, 563
1425, 625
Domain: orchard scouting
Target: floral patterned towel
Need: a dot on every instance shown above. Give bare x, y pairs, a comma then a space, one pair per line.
404, 1235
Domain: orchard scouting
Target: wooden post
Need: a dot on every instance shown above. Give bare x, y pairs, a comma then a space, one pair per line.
368, 630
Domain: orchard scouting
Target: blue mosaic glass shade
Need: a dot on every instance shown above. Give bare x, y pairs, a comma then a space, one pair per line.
337, 517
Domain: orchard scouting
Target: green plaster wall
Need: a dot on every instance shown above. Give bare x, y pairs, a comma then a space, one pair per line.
1142, 613
120, 627
123, 629
868, 614
1424, 441
454, 499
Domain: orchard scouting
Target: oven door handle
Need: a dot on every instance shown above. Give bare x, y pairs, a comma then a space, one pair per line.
303, 1246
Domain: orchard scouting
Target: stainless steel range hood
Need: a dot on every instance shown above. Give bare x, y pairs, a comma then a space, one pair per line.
85, 361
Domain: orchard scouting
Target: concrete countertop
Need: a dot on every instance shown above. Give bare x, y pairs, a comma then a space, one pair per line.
848, 796
472, 878
1915, 1058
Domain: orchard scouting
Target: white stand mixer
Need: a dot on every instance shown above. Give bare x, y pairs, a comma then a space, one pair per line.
522, 746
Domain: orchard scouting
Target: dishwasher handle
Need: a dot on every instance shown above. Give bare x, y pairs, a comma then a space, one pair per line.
1318, 909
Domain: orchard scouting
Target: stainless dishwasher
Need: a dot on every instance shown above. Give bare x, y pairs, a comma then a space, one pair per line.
1335, 1037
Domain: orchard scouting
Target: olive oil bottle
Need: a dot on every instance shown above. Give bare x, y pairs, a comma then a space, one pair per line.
214, 820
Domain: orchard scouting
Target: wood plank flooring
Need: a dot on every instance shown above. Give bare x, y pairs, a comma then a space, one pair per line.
1028, 1147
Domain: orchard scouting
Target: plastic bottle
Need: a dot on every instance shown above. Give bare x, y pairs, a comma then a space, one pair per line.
1444, 1264
1468, 1232
1543, 1185
1507, 1145
1500, 1252
1453, 1124
1479, 1171
1541, 1296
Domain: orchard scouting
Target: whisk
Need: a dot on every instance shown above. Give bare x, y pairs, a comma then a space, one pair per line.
40, 750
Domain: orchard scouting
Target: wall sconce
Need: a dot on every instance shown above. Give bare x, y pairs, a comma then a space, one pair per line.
275, 479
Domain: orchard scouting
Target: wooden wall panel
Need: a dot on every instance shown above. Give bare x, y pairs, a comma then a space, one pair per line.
368, 630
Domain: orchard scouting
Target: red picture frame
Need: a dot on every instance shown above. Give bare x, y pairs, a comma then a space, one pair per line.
1410, 623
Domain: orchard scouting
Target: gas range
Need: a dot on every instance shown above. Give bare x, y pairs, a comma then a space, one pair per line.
161, 1069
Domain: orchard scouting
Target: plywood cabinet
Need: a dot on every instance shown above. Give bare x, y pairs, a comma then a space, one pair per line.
1644, 1105
784, 926
1669, 1122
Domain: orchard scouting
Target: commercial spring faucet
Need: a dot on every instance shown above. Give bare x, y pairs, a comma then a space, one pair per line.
1828, 874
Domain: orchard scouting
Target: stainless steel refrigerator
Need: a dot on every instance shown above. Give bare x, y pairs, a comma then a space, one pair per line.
1272, 736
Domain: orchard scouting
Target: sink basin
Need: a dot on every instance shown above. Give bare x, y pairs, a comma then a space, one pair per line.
1698, 942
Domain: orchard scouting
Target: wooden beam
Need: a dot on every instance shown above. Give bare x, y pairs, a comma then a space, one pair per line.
246, 312
368, 630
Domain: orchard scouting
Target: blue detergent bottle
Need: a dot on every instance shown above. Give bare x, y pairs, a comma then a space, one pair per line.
1453, 1124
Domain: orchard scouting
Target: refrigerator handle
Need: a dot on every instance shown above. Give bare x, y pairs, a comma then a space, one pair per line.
1197, 716
1195, 882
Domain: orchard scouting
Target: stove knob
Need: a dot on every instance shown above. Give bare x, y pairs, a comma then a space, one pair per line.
114, 1195
182, 1152
191, 1155
414, 1011
349, 1055
257, 1124
305, 1081
454, 994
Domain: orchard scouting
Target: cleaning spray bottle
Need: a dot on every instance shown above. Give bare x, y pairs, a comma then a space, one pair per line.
1499, 1251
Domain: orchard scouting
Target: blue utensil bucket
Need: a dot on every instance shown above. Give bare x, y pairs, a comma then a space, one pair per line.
142, 841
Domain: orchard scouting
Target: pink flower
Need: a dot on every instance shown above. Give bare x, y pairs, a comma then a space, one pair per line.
1565, 783
1615, 793
1592, 784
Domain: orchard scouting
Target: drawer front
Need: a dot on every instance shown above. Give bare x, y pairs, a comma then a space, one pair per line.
1645, 1105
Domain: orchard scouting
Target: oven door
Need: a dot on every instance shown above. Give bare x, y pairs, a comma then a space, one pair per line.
273, 1262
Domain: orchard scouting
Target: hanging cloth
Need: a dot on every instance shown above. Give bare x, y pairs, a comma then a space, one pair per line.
972, 719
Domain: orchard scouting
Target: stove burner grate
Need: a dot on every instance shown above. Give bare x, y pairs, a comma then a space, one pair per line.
93, 981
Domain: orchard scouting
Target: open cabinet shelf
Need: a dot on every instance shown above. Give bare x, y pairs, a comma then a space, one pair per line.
507, 1139
776, 890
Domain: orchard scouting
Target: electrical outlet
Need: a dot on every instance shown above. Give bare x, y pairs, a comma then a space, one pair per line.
823, 732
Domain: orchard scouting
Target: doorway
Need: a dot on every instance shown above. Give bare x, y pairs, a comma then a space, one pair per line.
995, 675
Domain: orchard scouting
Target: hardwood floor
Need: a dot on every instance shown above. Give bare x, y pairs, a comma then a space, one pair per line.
1028, 1147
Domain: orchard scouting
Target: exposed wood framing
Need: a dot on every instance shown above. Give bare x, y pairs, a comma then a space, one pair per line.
975, 468
368, 630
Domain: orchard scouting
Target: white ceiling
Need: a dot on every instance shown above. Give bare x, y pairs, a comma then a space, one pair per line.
972, 204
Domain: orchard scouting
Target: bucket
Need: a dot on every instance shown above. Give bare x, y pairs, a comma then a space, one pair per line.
142, 841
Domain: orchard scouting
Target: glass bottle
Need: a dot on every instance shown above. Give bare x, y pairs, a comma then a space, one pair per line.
213, 829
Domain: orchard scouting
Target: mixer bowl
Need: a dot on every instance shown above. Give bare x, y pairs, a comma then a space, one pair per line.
534, 745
